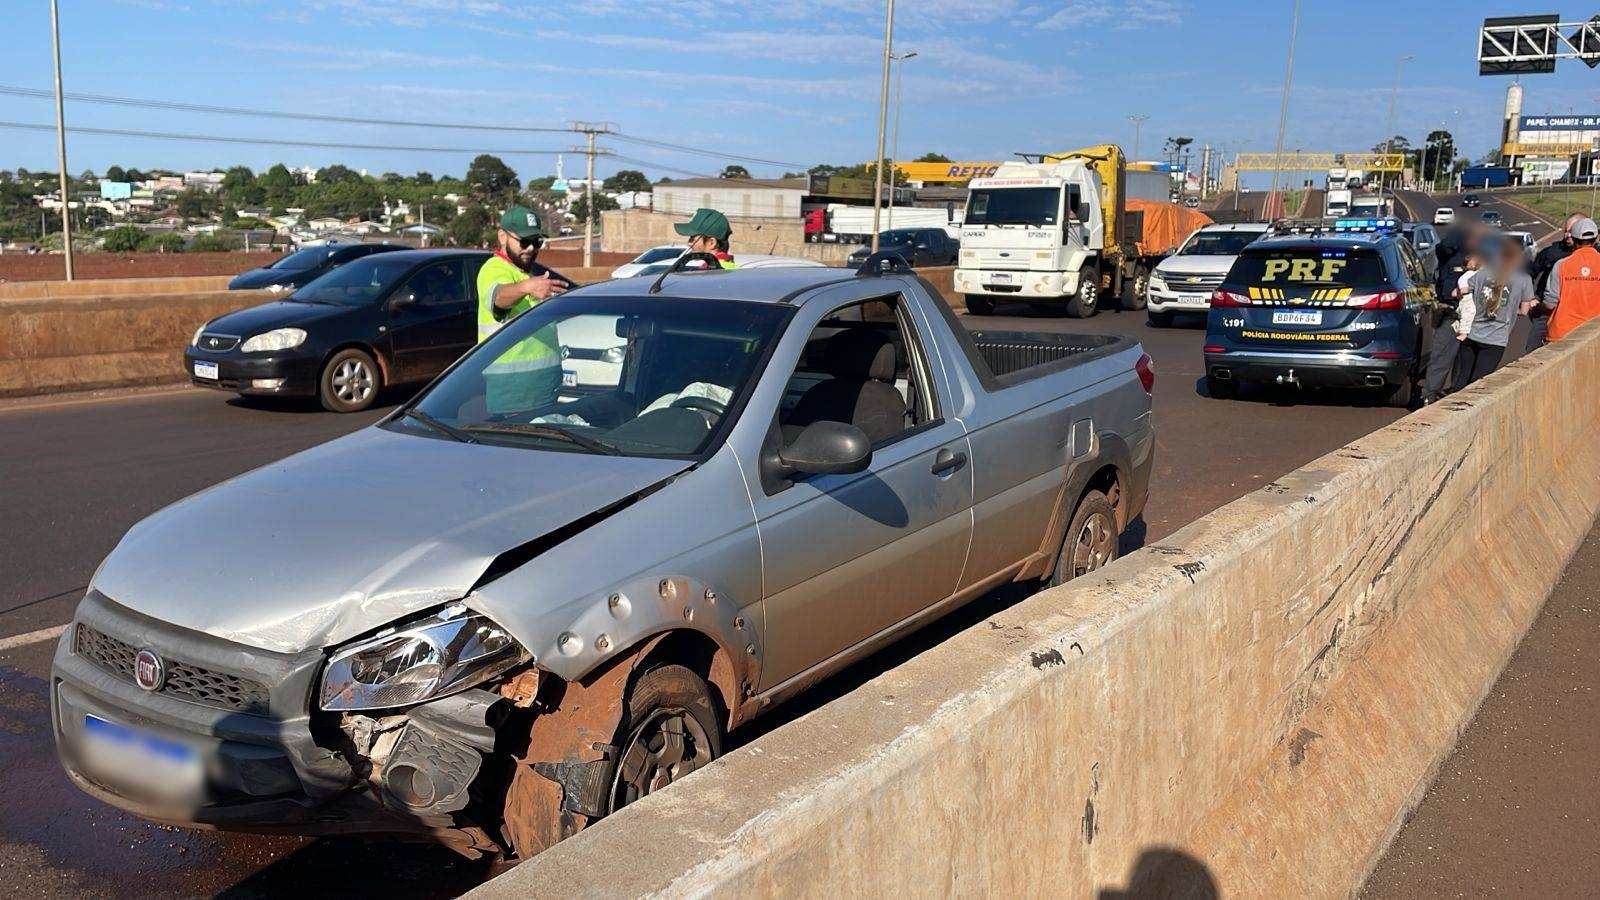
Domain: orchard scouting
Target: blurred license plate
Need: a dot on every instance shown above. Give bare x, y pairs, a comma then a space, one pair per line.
139, 760
1000, 278
205, 370
569, 378
1297, 317
1194, 298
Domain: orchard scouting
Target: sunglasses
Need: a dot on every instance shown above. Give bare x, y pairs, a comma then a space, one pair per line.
534, 242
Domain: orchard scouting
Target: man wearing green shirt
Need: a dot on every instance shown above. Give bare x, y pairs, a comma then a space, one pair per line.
527, 374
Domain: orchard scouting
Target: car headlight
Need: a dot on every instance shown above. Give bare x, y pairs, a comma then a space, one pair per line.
1157, 282
450, 651
276, 339
195, 341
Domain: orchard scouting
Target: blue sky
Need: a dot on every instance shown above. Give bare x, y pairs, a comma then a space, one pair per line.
786, 80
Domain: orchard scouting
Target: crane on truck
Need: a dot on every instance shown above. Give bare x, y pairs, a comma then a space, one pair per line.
1062, 229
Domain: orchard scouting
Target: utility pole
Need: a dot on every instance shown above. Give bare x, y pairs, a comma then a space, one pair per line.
61, 141
883, 115
590, 151
1283, 111
1388, 128
899, 75
1138, 123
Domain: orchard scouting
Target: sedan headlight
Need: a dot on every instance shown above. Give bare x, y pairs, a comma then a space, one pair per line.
449, 651
195, 341
276, 339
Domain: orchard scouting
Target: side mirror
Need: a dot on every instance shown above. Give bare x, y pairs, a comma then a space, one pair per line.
399, 300
827, 448
922, 246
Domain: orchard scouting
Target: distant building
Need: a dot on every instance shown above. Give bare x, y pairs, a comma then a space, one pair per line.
764, 197
205, 181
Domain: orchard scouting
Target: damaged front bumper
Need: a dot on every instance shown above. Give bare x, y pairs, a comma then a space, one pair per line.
242, 718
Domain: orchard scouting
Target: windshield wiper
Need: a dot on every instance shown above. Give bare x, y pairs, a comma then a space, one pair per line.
542, 429
449, 431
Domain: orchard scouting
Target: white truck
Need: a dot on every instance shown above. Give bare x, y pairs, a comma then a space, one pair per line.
1337, 203
1371, 206
1065, 229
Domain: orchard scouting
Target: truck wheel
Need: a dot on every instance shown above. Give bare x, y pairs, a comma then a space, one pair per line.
1085, 302
671, 729
1135, 290
1159, 319
978, 306
1220, 389
1091, 539
349, 382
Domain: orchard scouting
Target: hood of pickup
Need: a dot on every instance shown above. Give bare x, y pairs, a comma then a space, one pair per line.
1180, 266
349, 536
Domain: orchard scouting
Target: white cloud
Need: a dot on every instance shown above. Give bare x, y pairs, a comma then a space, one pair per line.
1123, 13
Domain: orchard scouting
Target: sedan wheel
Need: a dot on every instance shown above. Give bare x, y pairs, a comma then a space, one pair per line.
350, 382
1091, 540
672, 730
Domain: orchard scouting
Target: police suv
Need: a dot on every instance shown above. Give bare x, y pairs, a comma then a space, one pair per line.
1314, 305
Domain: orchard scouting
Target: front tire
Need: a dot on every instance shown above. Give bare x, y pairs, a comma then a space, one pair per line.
978, 306
1086, 302
1091, 540
672, 728
349, 382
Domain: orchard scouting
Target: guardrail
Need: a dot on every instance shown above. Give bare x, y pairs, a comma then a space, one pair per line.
1249, 708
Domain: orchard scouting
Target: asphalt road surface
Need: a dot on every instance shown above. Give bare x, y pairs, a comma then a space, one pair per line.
75, 475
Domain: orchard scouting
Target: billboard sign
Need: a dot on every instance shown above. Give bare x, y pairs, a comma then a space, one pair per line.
116, 190
1559, 123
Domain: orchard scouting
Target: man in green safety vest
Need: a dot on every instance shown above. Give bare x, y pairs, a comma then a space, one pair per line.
708, 232
527, 374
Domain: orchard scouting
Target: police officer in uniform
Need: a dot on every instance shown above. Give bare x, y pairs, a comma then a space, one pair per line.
708, 232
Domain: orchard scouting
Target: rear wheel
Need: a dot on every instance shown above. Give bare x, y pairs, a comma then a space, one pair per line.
1159, 319
1401, 397
979, 306
1085, 302
349, 382
1221, 389
672, 728
1136, 290
1091, 539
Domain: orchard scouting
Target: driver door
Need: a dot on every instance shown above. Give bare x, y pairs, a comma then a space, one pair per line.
431, 320
848, 556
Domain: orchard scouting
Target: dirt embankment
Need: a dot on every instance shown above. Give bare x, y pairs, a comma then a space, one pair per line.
52, 267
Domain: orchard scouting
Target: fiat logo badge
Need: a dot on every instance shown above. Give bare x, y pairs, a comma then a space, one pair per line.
148, 671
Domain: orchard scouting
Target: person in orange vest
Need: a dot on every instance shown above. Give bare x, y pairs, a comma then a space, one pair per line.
1573, 291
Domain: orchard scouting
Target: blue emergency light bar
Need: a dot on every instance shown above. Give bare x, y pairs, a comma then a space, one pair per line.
1385, 224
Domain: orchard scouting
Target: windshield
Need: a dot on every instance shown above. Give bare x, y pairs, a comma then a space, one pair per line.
1218, 243
617, 376
309, 258
659, 254
1290, 267
895, 238
357, 283
1014, 206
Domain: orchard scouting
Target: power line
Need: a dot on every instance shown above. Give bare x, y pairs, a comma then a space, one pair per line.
38, 93
280, 142
655, 165
268, 113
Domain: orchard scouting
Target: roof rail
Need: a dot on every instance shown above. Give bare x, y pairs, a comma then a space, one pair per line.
883, 263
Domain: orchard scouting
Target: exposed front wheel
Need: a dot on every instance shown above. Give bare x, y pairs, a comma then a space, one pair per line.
672, 728
350, 382
1091, 539
1085, 302
979, 306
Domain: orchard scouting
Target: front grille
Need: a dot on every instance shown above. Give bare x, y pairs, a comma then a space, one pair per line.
218, 343
1182, 281
189, 682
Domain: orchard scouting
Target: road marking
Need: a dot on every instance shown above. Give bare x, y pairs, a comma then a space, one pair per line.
32, 637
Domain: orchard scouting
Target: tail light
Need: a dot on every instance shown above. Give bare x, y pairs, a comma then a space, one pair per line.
1383, 300
1146, 367
1214, 348
1220, 297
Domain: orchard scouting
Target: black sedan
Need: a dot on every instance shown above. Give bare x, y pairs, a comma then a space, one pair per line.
917, 246
1470, 200
388, 318
301, 266
1492, 219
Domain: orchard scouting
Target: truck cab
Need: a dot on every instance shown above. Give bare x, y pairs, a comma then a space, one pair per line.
1029, 232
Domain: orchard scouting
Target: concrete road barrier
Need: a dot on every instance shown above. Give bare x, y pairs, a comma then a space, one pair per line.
1250, 707
113, 287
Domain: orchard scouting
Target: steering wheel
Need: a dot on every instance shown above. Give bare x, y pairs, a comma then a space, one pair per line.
711, 408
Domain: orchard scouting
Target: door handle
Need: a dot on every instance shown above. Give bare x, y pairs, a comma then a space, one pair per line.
948, 461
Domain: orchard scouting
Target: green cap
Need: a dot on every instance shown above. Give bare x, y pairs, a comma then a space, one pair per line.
708, 222
522, 222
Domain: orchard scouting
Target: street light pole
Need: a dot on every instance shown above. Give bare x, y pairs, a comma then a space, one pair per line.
1394, 94
883, 115
61, 141
1283, 111
1138, 122
894, 159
